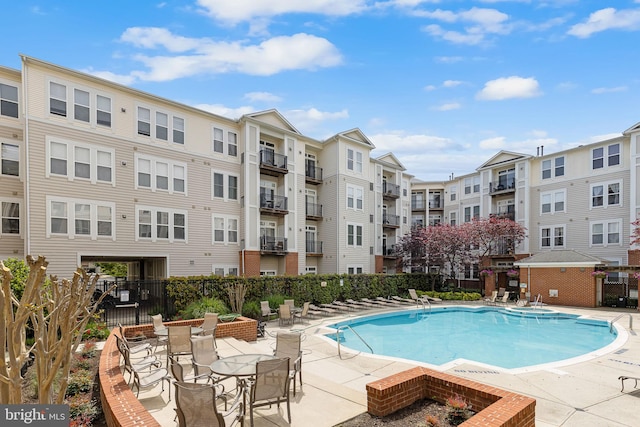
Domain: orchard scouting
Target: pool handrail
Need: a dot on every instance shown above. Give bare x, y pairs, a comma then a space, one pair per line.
357, 334
619, 316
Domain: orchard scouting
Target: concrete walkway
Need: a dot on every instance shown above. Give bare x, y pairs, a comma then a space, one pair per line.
584, 393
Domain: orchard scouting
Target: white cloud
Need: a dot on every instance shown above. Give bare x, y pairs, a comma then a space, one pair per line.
451, 83
236, 11
401, 143
309, 119
108, 75
205, 56
607, 19
221, 110
496, 143
482, 22
448, 59
262, 97
601, 90
509, 87
429, 88
448, 106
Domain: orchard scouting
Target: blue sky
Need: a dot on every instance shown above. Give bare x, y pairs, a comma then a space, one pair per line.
443, 84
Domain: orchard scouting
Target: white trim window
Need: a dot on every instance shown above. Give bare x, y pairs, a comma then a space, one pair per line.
149, 119
88, 106
219, 142
553, 168
225, 229
355, 269
354, 160
355, 197
224, 270
159, 174
310, 269
268, 272
552, 237
610, 153
471, 213
354, 235
91, 163
453, 218
452, 193
161, 224
9, 100
10, 214
468, 185
80, 218
10, 159
553, 202
606, 194
606, 233
221, 191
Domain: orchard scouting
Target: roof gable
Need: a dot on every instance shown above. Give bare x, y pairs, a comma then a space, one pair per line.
274, 118
356, 135
503, 157
634, 128
392, 160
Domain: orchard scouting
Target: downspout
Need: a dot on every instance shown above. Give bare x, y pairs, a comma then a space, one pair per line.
25, 116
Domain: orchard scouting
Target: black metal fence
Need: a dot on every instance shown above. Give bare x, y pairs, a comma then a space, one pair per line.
620, 292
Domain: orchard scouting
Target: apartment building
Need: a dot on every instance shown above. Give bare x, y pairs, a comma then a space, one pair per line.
96, 171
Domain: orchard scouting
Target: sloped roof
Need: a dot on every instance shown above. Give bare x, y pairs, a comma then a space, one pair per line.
502, 157
392, 160
560, 257
355, 135
633, 128
274, 118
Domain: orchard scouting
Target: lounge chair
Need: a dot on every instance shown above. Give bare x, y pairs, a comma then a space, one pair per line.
505, 299
389, 301
622, 378
501, 292
376, 302
361, 304
423, 298
346, 306
492, 299
402, 300
318, 311
323, 310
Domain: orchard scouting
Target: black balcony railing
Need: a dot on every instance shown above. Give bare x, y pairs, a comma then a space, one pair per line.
314, 247
389, 251
436, 204
313, 174
390, 190
272, 244
505, 185
503, 246
389, 220
276, 203
504, 215
273, 160
314, 210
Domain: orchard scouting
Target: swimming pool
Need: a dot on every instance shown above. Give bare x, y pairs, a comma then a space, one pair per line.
490, 336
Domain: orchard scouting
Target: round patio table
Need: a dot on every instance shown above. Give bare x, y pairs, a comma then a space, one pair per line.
165, 332
241, 365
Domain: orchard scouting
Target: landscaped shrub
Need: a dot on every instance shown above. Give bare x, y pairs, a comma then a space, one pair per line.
95, 330
459, 410
80, 381
276, 300
81, 411
252, 309
197, 309
453, 296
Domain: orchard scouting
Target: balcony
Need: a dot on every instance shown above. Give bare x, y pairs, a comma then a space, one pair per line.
502, 247
313, 175
390, 191
503, 186
314, 248
436, 204
418, 205
271, 245
273, 164
389, 252
390, 221
504, 215
273, 205
314, 212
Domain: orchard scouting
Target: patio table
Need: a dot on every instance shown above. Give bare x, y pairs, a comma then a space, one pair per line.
165, 332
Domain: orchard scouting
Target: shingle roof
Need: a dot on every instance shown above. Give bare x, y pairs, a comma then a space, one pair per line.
561, 256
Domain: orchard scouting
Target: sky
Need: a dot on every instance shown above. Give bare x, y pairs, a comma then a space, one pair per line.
443, 84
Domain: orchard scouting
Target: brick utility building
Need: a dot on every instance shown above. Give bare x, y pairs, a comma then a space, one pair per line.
96, 171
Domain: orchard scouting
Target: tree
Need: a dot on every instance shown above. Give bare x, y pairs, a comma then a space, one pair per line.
116, 269
635, 234
59, 311
496, 235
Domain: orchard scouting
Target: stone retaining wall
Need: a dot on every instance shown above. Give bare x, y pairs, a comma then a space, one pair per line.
494, 407
120, 406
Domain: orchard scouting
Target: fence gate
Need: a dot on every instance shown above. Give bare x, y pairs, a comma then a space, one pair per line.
620, 292
132, 302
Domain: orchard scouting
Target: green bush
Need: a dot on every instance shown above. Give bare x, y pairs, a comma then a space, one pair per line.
252, 309
81, 411
276, 300
80, 381
95, 330
197, 309
20, 271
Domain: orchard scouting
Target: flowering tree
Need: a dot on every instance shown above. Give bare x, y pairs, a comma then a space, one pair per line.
58, 311
496, 235
635, 234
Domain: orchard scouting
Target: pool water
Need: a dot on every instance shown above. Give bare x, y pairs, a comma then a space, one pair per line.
498, 337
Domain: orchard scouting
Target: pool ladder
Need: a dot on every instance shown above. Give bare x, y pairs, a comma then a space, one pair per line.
355, 333
423, 300
620, 316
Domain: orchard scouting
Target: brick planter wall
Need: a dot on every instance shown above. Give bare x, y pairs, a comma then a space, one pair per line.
120, 406
494, 407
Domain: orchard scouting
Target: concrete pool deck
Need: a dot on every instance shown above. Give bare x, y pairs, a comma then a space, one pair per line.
585, 393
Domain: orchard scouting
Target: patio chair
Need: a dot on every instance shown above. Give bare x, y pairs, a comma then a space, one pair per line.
159, 326
196, 407
491, 300
285, 314
134, 348
266, 311
270, 385
129, 366
290, 303
304, 314
178, 343
622, 378
501, 292
209, 325
204, 353
289, 345
424, 298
